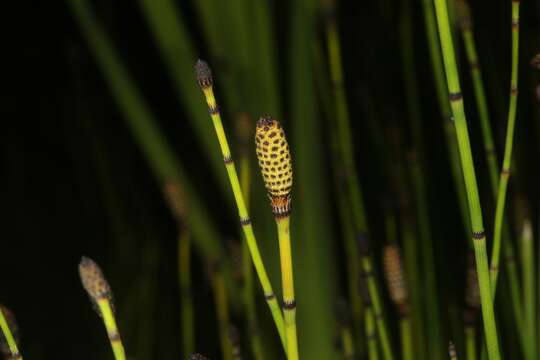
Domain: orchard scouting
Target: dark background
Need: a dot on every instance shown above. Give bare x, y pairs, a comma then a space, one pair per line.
74, 181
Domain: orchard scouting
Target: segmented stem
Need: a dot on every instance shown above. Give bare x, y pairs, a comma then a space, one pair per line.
205, 80
407, 350
382, 331
505, 171
471, 187
371, 334
8, 335
112, 330
289, 301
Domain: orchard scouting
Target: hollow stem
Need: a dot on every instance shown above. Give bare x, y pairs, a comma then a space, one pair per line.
478, 234
287, 278
470, 342
112, 330
8, 335
406, 338
382, 331
245, 220
371, 334
505, 171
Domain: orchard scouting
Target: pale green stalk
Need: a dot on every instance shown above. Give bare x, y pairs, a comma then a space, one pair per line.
478, 235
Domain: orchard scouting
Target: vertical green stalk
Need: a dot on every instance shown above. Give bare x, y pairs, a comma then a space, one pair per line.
529, 293
222, 310
204, 77
186, 303
244, 130
8, 335
343, 144
471, 187
505, 171
369, 320
406, 338
466, 25
470, 342
375, 299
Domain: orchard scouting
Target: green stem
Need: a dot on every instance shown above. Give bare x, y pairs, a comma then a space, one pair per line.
287, 278
371, 335
470, 342
8, 335
505, 171
184, 275
471, 187
406, 339
382, 331
529, 294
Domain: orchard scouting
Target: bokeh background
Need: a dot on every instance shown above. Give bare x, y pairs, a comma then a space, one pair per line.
77, 181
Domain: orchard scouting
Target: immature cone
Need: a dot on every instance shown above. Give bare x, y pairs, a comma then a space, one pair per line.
275, 163
93, 280
12, 324
204, 74
395, 278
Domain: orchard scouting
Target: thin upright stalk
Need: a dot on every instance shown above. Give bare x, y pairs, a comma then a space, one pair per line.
470, 343
478, 234
112, 330
466, 25
505, 171
371, 334
382, 331
186, 303
205, 80
221, 304
287, 278
529, 293
244, 133
8, 336
406, 339
347, 343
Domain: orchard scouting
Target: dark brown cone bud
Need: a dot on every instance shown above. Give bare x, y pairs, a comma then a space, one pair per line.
204, 74
13, 327
395, 277
93, 280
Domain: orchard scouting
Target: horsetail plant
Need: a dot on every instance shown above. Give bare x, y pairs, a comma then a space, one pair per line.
346, 332
375, 301
177, 203
221, 304
369, 319
529, 298
505, 170
204, 77
276, 168
9, 338
101, 296
478, 234
244, 132
399, 294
